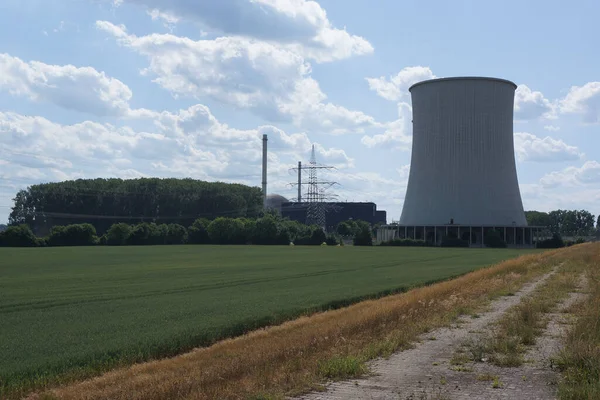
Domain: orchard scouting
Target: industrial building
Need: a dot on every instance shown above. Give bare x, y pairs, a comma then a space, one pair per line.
313, 208
463, 177
336, 212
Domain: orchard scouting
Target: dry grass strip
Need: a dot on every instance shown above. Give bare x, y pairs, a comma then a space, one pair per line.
579, 360
299, 355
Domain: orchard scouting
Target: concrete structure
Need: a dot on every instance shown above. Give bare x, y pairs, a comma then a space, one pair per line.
514, 236
264, 170
275, 202
463, 176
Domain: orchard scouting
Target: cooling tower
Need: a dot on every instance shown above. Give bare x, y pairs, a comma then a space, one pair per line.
463, 162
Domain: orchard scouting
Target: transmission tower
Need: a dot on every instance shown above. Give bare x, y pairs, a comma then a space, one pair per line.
316, 195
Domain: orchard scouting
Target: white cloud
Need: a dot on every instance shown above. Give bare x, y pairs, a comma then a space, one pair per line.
396, 87
190, 142
271, 81
532, 105
552, 128
300, 24
80, 89
583, 100
398, 132
538, 197
587, 174
306, 107
529, 147
168, 20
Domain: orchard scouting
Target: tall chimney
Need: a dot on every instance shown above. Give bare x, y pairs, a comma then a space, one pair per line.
264, 171
299, 181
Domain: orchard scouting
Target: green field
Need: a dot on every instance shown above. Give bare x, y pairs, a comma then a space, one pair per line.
77, 310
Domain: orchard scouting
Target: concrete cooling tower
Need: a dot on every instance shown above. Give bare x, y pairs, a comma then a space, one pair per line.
463, 168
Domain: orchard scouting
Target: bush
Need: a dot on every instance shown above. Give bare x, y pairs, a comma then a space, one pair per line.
363, 235
494, 239
227, 231
144, 234
346, 228
197, 233
314, 236
317, 236
454, 242
331, 240
554, 243
118, 234
176, 234
18, 236
405, 243
265, 231
73, 235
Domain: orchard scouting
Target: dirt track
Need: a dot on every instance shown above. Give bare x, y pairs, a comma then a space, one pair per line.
424, 372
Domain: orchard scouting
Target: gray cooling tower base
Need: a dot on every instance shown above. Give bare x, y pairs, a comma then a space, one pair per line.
514, 236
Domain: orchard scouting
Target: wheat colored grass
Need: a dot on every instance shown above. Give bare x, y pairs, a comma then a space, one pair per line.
284, 359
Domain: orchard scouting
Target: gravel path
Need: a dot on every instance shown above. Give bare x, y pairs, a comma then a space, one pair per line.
424, 371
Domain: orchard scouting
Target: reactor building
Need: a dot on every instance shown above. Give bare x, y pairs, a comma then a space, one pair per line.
463, 177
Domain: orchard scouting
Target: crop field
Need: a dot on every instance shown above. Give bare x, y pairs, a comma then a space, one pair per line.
72, 312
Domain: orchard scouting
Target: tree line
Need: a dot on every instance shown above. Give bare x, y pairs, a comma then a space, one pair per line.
104, 202
565, 222
269, 229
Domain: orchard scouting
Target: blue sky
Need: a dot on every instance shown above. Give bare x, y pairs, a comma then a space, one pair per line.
133, 88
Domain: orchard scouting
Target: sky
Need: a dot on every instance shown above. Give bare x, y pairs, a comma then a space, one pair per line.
187, 88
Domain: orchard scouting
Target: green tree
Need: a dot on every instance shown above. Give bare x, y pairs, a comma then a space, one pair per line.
227, 231
266, 230
118, 234
584, 221
18, 236
346, 228
103, 202
537, 218
176, 234
73, 235
197, 233
363, 235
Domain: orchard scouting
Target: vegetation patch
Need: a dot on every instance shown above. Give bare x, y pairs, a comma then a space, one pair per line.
291, 358
579, 360
86, 310
523, 323
342, 367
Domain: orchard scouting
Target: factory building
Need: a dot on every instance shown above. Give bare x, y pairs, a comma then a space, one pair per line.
337, 212
463, 177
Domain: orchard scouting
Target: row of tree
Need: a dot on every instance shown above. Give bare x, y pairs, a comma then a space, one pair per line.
565, 222
104, 202
269, 229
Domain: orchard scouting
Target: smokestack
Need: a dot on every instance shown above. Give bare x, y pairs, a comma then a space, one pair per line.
264, 171
299, 181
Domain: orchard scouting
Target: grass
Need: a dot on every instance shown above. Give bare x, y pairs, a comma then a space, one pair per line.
70, 313
580, 358
523, 323
296, 356
342, 367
